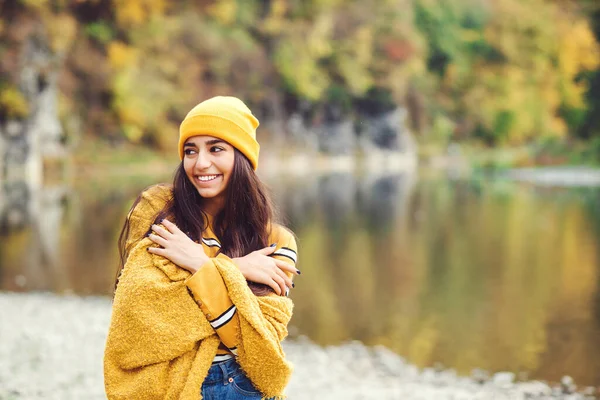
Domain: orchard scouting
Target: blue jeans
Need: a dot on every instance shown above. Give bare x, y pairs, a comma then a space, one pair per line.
227, 381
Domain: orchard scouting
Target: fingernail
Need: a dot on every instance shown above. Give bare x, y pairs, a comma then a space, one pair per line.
298, 271
273, 245
147, 248
293, 285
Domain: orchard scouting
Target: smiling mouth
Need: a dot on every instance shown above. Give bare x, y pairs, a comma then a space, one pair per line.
206, 178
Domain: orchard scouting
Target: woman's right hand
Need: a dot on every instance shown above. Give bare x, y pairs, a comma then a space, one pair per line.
260, 268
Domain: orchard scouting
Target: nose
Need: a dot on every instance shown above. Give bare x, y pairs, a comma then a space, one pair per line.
202, 161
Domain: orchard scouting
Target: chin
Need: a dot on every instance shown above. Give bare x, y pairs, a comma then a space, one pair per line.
208, 194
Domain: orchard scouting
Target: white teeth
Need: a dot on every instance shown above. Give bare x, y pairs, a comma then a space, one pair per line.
206, 178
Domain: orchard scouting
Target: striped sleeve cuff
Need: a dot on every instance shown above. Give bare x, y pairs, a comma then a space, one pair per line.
287, 253
210, 292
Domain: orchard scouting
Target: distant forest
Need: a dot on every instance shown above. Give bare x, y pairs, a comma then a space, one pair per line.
501, 72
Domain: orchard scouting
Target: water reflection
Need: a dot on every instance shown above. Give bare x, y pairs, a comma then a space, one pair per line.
29, 224
489, 275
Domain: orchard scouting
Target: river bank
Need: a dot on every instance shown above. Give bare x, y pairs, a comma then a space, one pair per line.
52, 348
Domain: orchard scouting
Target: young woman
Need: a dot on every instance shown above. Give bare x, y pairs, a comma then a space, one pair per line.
201, 304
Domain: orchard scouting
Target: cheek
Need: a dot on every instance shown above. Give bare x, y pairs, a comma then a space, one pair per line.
188, 167
228, 165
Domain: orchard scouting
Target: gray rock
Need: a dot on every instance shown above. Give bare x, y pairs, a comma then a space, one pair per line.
57, 342
480, 376
568, 385
336, 137
385, 131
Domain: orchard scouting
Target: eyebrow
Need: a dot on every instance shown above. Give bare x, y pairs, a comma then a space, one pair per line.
214, 141
209, 143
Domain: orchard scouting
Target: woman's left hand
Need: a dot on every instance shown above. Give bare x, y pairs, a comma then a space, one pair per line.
177, 247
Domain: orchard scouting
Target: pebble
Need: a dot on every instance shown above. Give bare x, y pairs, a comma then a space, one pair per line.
568, 385
52, 348
503, 379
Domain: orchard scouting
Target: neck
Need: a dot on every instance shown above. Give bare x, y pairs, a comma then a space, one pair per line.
213, 206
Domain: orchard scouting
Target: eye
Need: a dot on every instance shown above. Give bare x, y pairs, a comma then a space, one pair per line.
216, 149
189, 152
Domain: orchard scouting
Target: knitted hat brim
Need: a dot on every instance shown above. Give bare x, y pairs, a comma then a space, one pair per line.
221, 128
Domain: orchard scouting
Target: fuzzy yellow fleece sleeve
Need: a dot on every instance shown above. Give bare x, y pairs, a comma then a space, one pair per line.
263, 322
159, 343
210, 292
151, 201
259, 322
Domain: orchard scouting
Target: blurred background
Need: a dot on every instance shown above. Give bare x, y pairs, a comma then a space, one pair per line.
436, 159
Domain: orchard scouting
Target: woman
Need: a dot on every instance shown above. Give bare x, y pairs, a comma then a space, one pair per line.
201, 304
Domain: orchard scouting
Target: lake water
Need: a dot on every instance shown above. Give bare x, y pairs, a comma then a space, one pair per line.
470, 274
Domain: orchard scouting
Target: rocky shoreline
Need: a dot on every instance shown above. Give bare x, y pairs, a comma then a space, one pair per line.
565, 176
52, 347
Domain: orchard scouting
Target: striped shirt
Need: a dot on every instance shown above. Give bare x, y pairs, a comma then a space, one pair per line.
211, 295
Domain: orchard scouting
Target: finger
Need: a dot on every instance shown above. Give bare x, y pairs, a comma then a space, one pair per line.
157, 250
286, 266
275, 286
267, 250
174, 231
281, 283
159, 230
158, 240
286, 279
171, 226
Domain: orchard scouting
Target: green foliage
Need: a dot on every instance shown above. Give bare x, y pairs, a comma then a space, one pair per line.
339, 95
100, 31
506, 72
503, 124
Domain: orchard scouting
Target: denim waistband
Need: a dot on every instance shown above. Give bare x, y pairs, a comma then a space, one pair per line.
223, 370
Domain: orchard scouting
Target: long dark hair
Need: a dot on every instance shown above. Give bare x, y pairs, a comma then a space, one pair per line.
242, 226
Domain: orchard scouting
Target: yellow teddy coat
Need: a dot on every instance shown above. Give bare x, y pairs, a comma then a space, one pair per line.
167, 325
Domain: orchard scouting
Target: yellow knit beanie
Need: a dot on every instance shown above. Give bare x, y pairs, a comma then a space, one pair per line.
226, 118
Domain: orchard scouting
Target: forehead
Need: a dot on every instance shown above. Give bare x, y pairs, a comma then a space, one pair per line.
203, 140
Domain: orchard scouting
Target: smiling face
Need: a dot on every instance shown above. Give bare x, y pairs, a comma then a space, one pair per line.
208, 163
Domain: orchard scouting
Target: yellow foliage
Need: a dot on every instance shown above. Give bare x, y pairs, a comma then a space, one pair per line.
152, 77
298, 57
301, 71
355, 58
578, 51
524, 92
131, 13
512, 70
363, 45
470, 35
319, 36
133, 133
62, 30
355, 75
130, 114
36, 4
13, 103
224, 11
275, 21
121, 55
